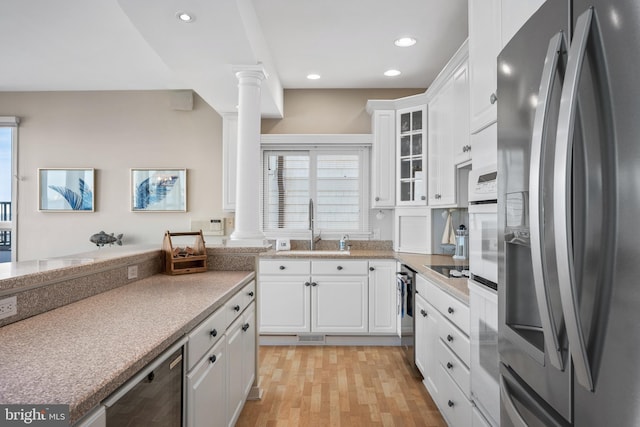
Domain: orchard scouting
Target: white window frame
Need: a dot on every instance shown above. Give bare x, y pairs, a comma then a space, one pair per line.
314, 145
13, 122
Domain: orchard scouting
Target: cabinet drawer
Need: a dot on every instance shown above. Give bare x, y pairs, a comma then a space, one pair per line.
454, 366
452, 309
238, 303
205, 335
284, 266
455, 340
339, 267
454, 405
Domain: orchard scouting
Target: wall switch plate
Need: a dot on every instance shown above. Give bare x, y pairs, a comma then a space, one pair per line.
209, 227
8, 307
132, 272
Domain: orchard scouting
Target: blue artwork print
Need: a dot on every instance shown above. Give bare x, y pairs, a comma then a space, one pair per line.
78, 201
153, 190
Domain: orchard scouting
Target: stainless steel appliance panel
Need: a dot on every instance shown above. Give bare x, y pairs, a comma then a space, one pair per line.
406, 282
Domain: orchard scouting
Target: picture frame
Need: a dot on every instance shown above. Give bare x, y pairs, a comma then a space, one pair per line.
66, 190
158, 190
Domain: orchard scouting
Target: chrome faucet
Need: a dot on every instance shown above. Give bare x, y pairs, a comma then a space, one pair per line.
311, 221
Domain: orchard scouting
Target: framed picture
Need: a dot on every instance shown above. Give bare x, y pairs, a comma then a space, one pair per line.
66, 190
159, 190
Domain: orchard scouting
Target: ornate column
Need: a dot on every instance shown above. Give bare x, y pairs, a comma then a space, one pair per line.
248, 165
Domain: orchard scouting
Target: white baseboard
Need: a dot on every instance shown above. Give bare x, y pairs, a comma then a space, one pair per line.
338, 340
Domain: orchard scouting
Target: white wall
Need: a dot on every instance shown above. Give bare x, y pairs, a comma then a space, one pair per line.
111, 132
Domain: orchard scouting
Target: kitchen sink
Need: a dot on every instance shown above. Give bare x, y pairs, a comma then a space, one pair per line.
314, 253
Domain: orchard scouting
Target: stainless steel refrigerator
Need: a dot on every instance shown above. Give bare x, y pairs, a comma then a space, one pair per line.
568, 214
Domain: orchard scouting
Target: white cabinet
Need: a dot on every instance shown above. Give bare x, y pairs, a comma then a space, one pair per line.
383, 153
461, 140
339, 304
484, 45
206, 389
382, 297
412, 230
284, 304
426, 341
411, 184
241, 352
514, 13
441, 145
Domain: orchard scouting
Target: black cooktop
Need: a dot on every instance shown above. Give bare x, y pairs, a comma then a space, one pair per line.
456, 271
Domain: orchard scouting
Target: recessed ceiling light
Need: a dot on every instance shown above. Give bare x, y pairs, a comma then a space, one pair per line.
392, 73
313, 76
405, 42
185, 16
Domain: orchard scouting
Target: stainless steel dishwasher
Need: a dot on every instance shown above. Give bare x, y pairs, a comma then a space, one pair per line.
154, 396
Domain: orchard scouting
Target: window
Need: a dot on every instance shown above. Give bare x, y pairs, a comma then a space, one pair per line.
8, 187
336, 180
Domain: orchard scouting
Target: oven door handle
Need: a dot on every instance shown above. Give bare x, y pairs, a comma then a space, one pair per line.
536, 199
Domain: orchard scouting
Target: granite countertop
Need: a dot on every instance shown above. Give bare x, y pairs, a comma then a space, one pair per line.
457, 287
80, 353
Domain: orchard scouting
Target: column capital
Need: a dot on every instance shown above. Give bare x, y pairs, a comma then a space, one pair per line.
250, 71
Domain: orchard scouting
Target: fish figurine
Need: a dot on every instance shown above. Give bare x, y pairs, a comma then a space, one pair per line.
102, 238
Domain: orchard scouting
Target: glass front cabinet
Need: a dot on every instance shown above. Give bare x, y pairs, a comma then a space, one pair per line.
411, 156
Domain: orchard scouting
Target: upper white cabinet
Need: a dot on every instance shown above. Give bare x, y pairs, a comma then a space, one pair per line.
514, 13
441, 144
383, 152
411, 156
461, 140
484, 45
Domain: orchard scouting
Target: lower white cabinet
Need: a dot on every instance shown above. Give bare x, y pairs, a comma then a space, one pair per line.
426, 342
241, 351
284, 304
382, 297
339, 304
206, 389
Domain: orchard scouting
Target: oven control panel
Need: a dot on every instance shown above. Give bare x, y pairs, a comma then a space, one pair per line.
483, 184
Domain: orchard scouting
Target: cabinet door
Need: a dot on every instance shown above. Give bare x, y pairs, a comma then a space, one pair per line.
426, 342
235, 362
382, 297
484, 45
339, 304
411, 183
249, 348
461, 138
441, 146
284, 304
383, 191
206, 390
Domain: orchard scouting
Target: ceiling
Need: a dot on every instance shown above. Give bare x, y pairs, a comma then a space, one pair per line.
79, 45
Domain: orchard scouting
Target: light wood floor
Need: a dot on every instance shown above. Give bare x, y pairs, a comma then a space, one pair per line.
338, 386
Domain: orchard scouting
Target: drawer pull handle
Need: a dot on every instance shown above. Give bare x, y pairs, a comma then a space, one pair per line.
371, 268
245, 327
377, 199
236, 307
250, 294
450, 403
307, 284
493, 98
424, 313
339, 267
450, 310
213, 359
449, 365
449, 338
213, 333
314, 284
282, 267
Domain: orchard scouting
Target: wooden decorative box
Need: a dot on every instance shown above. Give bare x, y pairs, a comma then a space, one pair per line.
184, 253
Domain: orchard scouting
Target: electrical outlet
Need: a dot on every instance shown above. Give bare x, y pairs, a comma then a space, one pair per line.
132, 272
231, 222
8, 307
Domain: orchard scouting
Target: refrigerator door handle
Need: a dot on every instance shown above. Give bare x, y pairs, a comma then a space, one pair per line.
562, 204
550, 330
509, 406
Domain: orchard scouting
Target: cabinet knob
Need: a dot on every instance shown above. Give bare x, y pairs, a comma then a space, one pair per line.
314, 284
213, 333
371, 268
307, 284
449, 365
282, 267
377, 199
213, 359
449, 338
424, 313
236, 307
464, 149
450, 404
468, 148
423, 197
250, 294
450, 310
245, 327
339, 267
493, 98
